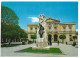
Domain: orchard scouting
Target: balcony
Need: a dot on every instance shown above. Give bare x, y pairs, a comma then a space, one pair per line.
67, 31
61, 31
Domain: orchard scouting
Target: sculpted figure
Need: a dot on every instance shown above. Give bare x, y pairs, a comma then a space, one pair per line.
41, 30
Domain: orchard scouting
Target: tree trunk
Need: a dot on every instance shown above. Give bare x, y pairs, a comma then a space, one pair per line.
62, 40
10, 42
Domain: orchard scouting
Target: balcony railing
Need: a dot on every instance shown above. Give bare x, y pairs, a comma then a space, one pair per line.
67, 31
61, 31
50, 31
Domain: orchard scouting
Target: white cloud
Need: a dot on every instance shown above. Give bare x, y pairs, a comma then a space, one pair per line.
76, 29
34, 19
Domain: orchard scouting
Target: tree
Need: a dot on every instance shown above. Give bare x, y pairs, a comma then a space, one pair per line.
25, 36
8, 15
11, 32
74, 37
62, 37
33, 37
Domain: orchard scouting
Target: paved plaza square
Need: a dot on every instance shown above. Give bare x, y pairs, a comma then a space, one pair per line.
67, 50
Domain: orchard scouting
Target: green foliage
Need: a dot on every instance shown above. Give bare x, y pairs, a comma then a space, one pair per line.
71, 39
34, 36
25, 36
12, 31
8, 15
51, 50
74, 37
62, 36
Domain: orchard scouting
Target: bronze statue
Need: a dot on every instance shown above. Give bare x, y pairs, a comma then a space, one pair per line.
41, 30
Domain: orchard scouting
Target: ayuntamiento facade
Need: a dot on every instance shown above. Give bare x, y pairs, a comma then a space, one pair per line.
54, 30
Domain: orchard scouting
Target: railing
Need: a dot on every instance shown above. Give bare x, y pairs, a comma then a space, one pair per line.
55, 31
67, 31
61, 31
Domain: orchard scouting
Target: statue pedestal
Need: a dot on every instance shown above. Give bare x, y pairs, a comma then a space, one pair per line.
40, 48
41, 42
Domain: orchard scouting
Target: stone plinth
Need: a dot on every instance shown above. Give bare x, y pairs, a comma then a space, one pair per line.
41, 43
40, 48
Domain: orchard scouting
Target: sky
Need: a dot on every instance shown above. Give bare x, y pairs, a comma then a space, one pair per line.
28, 12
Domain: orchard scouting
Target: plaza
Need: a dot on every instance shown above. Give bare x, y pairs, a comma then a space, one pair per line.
67, 50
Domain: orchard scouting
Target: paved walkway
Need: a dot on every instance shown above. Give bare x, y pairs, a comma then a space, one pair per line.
67, 50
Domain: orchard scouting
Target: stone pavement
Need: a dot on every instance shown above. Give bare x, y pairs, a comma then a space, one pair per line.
67, 50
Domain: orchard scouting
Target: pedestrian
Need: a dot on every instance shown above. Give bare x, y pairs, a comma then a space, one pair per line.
58, 42
66, 43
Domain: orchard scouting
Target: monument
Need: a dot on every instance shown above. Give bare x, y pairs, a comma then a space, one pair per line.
41, 42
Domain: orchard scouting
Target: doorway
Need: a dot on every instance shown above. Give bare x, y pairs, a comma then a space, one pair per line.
49, 40
55, 37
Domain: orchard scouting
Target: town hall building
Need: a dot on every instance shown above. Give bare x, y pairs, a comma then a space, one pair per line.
54, 30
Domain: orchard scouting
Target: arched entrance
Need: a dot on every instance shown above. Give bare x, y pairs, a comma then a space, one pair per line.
49, 39
55, 37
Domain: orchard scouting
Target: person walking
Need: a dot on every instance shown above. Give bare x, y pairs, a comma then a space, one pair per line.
66, 43
58, 42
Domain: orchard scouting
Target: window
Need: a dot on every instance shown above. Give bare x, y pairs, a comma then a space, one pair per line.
64, 28
55, 28
31, 28
36, 29
70, 28
50, 29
